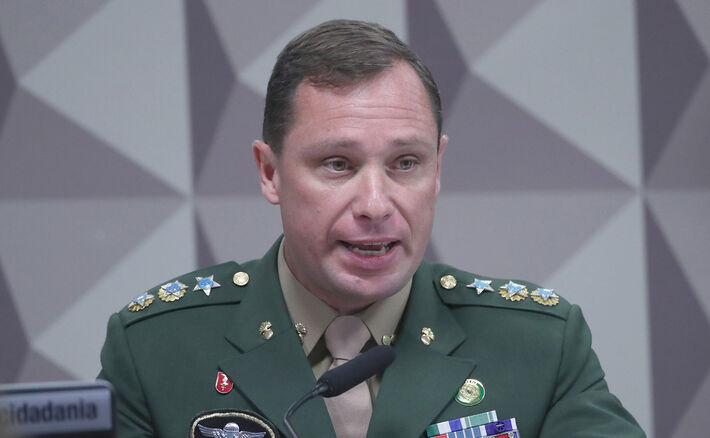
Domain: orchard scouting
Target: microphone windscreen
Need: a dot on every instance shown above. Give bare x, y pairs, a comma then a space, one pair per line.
361, 368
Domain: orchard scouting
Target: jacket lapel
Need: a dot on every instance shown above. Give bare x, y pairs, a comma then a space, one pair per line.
423, 379
272, 373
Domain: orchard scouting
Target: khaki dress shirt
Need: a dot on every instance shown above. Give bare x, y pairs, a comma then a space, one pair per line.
381, 319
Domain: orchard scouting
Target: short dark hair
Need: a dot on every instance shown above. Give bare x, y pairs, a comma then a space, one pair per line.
335, 53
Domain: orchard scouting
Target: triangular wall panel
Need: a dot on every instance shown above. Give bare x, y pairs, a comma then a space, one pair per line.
203, 251
432, 41
131, 87
237, 240
485, 154
684, 162
577, 75
12, 336
36, 237
672, 63
679, 329
31, 30
7, 85
697, 12
683, 217
606, 276
45, 155
696, 418
245, 38
518, 234
391, 14
209, 87
229, 167
477, 26
167, 252
38, 368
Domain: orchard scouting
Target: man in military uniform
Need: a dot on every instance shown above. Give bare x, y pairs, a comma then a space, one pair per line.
352, 151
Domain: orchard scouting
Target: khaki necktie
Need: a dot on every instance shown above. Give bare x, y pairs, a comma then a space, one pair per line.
350, 411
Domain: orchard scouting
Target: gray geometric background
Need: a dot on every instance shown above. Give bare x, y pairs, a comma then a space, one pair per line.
579, 158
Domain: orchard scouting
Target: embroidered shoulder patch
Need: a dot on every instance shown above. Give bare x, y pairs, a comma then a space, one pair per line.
231, 424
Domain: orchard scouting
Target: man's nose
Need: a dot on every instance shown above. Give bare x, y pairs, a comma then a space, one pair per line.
373, 199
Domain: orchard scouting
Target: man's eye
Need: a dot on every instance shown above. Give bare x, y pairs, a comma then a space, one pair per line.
337, 165
406, 163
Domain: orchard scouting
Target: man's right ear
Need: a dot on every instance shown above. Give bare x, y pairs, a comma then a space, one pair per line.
266, 162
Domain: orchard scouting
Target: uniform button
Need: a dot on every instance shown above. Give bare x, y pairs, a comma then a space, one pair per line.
448, 282
241, 278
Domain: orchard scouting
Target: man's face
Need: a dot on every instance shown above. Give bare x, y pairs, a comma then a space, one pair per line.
357, 180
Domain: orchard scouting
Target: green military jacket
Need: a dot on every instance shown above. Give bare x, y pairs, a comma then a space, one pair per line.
535, 362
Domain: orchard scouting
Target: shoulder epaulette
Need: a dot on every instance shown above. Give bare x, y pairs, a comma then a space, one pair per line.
218, 284
461, 288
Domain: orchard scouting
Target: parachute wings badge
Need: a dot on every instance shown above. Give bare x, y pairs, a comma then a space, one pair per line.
231, 430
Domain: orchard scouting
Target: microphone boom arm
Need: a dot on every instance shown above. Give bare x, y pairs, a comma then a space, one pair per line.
338, 380
315, 392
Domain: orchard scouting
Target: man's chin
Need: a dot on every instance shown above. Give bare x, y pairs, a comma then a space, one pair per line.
367, 291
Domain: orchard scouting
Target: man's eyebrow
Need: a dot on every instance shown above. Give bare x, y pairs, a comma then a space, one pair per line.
412, 141
333, 144
347, 144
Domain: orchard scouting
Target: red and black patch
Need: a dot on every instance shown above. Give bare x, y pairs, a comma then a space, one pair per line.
231, 424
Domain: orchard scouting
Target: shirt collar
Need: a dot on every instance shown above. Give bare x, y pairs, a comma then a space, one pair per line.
381, 317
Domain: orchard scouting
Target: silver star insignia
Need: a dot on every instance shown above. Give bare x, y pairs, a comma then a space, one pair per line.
206, 284
514, 291
514, 288
480, 286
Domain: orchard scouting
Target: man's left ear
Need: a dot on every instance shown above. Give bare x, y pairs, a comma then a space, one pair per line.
443, 141
266, 165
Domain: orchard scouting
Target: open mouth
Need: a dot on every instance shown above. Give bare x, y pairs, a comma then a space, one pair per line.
370, 248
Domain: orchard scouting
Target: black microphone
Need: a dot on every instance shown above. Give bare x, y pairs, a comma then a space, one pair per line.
338, 380
351, 373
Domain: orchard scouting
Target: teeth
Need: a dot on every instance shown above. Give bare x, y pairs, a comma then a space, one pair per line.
381, 251
371, 249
